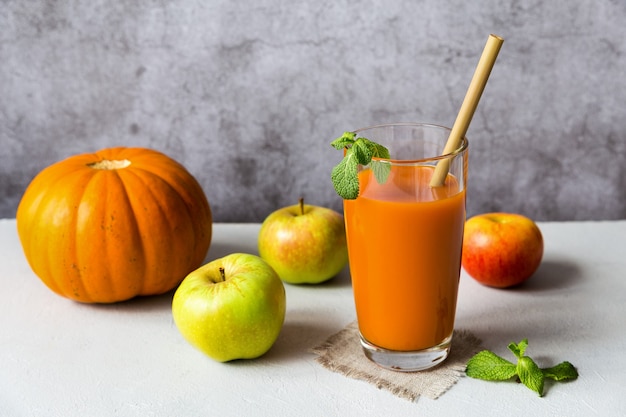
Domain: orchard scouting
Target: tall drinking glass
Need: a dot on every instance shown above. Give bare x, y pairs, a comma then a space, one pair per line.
404, 244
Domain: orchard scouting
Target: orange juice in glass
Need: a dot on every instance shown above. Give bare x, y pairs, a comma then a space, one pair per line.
404, 244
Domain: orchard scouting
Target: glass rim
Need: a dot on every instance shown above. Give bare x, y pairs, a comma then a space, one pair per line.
462, 148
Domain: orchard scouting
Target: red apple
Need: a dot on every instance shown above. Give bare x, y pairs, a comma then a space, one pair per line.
501, 249
304, 244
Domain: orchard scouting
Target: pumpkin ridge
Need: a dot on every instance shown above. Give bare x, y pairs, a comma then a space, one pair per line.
147, 178
104, 236
77, 287
45, 246
127, 229
180, 185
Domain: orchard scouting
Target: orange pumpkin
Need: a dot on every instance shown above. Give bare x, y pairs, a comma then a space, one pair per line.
115, 224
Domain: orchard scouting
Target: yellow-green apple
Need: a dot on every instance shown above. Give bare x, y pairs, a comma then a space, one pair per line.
305, 244
501, 249
231, 308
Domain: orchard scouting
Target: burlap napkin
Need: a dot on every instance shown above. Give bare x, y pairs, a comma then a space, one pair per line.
342, 353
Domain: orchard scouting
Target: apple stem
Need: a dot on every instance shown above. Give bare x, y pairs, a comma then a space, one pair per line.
301, 206
222, 274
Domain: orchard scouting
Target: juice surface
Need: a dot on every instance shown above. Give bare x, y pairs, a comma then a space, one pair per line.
404, 243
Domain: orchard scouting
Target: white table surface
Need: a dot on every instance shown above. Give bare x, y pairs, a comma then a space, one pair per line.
62, 358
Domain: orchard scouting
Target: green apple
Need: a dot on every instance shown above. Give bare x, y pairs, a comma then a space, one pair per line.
305, 244
231, 308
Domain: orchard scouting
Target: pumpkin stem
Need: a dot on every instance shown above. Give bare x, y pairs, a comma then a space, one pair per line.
108, 164
222, 274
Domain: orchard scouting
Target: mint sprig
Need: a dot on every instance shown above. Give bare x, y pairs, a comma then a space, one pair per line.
358, 151
488, 366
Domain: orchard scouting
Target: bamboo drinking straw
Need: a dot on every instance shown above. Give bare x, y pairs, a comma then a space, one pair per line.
463, 119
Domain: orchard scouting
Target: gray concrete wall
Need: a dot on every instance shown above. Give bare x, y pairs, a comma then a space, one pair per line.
249, 94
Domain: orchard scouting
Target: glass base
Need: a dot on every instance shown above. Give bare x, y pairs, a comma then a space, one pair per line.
411, 361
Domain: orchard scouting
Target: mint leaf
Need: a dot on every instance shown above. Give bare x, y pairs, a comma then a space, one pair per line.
345, 177
560, 372
530, 374
360, 151
381, 170
518, 349
488, 366
344, 141
379, 151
